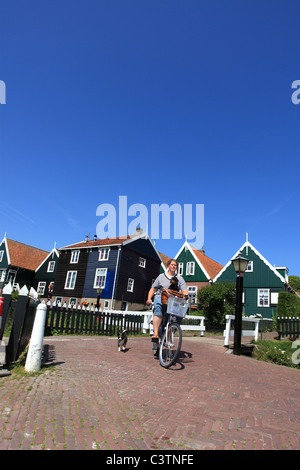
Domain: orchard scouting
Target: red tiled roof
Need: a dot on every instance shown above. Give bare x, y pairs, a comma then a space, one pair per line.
164, 258
25, 256
99, 242
212, 267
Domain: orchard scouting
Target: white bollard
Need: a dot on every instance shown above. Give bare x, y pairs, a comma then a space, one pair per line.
34, 355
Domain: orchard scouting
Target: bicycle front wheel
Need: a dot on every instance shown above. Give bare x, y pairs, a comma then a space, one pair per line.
170, 345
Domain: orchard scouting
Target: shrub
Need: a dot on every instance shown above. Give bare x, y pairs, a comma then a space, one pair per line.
216, 301
288, 305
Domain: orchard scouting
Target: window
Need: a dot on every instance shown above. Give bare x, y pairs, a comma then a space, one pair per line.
71, 280
100, 278
190, 268
58, 301
103, 254
130, 285
1, 255
180, 269
274, 298
142, 262
72, 302
192, 290
249, 268
2, 275
263, 297
41, 288
51, 266
75, 256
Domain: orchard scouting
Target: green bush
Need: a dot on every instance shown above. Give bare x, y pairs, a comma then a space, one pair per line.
216, 301
288, 305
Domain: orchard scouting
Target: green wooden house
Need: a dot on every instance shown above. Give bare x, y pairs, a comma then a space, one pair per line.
197, 269
262, 282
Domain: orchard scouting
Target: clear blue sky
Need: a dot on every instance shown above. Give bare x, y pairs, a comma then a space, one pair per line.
164, 101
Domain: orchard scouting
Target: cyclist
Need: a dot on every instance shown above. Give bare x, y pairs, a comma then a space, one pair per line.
164, 281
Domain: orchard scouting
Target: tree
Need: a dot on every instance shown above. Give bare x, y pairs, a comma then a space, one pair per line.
216, 301
294, 282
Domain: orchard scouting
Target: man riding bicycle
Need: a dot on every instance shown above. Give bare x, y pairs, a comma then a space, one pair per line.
167, 280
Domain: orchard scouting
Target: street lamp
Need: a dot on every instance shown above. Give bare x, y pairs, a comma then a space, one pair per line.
240, 264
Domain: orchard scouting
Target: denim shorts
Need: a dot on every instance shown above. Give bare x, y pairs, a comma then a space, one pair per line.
159, 308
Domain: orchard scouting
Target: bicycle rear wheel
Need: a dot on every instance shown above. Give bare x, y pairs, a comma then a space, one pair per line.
170, 345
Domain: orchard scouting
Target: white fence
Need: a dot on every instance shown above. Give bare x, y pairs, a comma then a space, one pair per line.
229, 332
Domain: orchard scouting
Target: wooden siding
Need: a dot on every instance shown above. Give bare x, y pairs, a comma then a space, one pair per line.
63, 267
262, 277
186, 256
129, 268
93, 264
42, 274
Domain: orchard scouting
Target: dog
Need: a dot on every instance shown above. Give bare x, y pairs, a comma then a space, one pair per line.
174, 284
122, 340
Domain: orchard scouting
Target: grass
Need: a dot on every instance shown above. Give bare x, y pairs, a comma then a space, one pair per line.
284, 353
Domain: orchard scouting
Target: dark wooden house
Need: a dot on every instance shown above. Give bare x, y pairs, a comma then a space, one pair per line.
117, 272
18, 263
45, 275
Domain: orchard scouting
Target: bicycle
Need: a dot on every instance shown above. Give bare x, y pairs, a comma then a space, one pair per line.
170, 338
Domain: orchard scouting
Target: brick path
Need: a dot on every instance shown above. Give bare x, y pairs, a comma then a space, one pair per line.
93, 397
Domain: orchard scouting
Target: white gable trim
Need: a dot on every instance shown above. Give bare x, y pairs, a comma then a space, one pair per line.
7, 250
258, 254
186, 244
50, 254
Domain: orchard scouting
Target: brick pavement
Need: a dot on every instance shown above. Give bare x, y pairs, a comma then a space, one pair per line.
94, 397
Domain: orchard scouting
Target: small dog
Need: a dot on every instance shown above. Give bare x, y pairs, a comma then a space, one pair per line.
174, 284
122, 340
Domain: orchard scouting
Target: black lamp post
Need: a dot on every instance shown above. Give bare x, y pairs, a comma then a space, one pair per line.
240, 265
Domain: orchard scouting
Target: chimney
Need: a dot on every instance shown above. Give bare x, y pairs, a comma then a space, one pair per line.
202, 251
139, 230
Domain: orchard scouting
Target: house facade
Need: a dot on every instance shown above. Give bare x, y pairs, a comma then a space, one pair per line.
45, 275
197, 269
117, 272
18, 263
262, 282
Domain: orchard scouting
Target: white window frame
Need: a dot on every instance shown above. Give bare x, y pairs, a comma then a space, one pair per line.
130, 284
51, 267
2, 275
1, 255
71, 280
180, 269
100, 278
249, 268
190, 268
192, 290
265, 295
41, 288
103, 254
75, 256
142, 262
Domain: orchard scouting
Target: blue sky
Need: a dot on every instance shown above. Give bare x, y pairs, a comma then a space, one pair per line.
166, 101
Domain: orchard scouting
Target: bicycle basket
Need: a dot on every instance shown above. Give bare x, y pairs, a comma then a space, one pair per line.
167, 293
177, 307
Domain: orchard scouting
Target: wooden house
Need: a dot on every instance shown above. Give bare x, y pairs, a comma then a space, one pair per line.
262, 282
197, 269
116, 271
18, 263
45, 275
